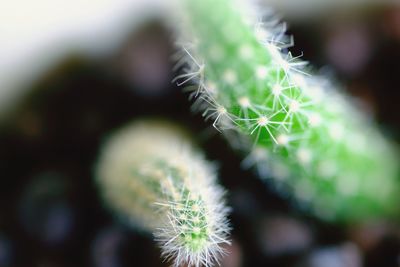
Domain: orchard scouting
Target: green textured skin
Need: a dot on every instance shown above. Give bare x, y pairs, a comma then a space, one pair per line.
316, 146
148, 193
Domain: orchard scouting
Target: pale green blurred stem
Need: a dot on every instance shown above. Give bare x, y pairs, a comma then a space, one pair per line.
151, 175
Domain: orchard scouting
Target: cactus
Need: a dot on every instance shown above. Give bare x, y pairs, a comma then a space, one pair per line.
150, 174
294, 127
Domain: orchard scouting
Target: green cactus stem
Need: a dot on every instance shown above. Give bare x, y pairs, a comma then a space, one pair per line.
151, 175
295, 128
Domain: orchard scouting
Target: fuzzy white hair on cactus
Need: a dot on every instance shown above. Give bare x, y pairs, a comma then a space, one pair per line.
154, 178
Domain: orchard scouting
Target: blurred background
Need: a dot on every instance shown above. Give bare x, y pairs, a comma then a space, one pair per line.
72, 72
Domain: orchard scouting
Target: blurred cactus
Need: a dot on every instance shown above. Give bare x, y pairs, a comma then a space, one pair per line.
294, 127
151, 175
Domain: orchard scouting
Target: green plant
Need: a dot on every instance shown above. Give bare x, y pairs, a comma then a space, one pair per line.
151, 175
314, 143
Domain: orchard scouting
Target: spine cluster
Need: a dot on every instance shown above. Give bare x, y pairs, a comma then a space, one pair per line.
293, 127
151, 175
